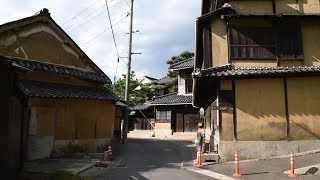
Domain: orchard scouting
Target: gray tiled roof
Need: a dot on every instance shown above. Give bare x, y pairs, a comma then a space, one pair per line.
140, 107
49, 90
59, 69
186, 64
232, 71
172, 99
165, 80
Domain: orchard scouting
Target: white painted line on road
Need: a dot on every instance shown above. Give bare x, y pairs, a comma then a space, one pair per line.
134, 178
211, 174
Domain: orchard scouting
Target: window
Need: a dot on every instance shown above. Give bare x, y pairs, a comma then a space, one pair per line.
189, 83
266, 43
163, 116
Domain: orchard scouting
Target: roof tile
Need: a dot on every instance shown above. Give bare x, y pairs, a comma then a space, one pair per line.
50, 90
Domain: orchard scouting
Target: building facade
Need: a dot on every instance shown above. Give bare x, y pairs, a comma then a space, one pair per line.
172, 112
57, 95
257, 74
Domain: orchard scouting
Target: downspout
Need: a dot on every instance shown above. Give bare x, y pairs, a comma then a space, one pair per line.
274, 9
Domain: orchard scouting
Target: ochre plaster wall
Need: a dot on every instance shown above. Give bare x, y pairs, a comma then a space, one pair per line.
303, 105
297, 7
219, 43
39, 42
70, 119
166, 126
260, 110
225, 85
252, 7
310, 39
227, 125
282, 6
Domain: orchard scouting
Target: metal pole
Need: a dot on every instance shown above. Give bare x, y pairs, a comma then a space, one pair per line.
126, 97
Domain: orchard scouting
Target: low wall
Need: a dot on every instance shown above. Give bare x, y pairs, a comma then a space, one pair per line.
263, 149
93, 145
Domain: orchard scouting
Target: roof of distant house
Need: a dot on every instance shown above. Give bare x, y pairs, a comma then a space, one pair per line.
151, 78
171, 99
50, 90
165, 80
186, 64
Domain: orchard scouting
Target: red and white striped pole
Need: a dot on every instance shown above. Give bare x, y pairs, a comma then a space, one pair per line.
236, 160
292, 174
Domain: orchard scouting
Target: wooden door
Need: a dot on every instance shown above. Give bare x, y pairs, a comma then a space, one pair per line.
179, 122
191, 122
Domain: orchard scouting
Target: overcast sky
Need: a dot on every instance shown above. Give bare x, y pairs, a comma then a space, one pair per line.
166, 29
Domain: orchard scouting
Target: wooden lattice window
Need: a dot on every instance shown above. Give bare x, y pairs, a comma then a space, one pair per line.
266, 43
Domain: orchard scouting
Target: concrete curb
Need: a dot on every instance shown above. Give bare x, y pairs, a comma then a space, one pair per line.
276, 157
85, 168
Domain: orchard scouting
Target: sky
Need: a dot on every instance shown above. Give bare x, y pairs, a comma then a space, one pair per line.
163, 28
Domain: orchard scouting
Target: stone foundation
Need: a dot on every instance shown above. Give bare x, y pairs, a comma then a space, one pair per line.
263, 149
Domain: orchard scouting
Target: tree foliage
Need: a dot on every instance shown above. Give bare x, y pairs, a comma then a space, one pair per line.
140, 93
183, 56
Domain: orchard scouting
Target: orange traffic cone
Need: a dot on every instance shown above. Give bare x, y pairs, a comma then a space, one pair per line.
199, 157
292, 174
236, 160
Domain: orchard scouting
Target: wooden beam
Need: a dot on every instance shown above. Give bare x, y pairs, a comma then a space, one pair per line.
286, 108
235, 136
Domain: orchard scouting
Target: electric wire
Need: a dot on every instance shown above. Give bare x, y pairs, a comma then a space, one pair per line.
114, 39
80, 13
78, 22
104, 31
80, 25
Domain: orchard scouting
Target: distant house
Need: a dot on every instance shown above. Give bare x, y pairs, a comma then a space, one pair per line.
53, 95
147, 79
257, 75
173, 112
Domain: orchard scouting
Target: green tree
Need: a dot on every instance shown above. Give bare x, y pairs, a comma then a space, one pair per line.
174, 75
183, 56
138, 92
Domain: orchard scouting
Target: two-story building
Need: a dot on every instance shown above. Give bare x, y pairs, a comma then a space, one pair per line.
54, 98
257, 74
172, 112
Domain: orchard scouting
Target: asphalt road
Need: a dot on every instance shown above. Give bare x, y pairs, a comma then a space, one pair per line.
150, 159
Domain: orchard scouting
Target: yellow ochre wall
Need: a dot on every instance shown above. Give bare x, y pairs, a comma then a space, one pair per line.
311, 42
71, 119
303, 105
219, 43
39, 41
260, 110
282, 6
310, 29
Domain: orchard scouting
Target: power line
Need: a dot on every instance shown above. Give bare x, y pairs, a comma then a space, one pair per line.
91, 18
80, 13
71, 25
114, 40
104, 31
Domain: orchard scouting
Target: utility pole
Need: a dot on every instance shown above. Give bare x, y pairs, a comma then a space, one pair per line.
126, 96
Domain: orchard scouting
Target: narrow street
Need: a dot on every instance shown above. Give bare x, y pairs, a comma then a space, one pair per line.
150, 159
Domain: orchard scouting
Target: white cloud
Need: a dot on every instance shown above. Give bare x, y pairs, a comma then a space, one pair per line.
167, 29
